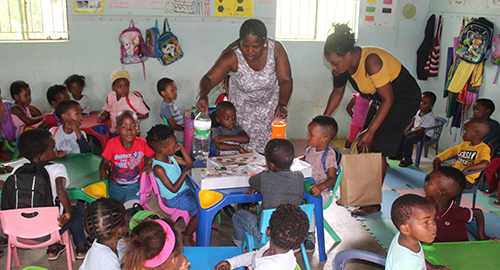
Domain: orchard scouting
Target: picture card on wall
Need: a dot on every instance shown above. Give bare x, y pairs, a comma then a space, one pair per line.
378, 13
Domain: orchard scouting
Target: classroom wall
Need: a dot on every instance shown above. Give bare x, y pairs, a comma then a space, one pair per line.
93, 51
452, 21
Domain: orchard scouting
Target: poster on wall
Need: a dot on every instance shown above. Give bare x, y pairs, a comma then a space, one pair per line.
379, 13
409, 10
457, 2
149, 4
191, 7
234, 8
89, 6
494, 3
476, 4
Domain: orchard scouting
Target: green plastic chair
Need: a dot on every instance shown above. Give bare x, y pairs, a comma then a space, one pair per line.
165, 121
33, 268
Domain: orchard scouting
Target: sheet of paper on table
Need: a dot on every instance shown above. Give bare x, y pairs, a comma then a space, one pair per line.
234, 171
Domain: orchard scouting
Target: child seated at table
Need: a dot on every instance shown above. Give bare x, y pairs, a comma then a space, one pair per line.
413, 216
287, 228
55, 93
69, 138
126, 155
228, 137
169, 110
473, 154
75, 84
121, 99
174, 190
278, 184
442, 185
39, 147
323, 160
23, 113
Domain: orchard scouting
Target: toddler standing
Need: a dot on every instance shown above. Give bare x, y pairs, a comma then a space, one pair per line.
106, 222
174, 191
69, 138
55, 93
323, 160
75, 84
168, 90
121, 99
125, 154
356, 108
23, 113
228, 137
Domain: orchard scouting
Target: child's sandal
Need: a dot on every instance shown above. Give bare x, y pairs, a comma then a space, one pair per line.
81, 252
55, 251
405, 163
496, 203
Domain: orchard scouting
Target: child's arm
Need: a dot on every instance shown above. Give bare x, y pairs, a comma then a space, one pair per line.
63, 197
142, 116
17, 111
350, 105
483, 164
329, 182
102, 116
80, 139
160, 173
44, 125
448, 153
104, 169
242, 137
173, 124
34, 111
478, 215
186, 158
409, 127
431, 266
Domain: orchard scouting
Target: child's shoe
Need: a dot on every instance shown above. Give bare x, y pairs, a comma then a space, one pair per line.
405, 163
81, 252
54, 253
496, 203
488, 192
310, 242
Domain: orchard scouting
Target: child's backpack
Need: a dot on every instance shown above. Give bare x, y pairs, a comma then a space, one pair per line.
475, 41
152, 41
8, 129
169, 46
138, 94
133, 49
28, 187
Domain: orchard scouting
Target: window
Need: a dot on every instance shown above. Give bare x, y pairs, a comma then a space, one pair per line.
312, 19
27, 20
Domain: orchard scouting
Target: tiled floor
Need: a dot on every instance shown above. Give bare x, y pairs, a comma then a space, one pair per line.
352, 233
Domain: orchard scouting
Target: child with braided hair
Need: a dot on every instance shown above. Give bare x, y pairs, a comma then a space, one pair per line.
287, 229
106, 221
154, 244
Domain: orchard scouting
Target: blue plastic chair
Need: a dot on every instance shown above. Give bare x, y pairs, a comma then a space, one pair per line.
345, 255
438, 128
250, 243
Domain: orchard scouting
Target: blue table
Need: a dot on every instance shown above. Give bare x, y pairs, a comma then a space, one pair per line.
202, 258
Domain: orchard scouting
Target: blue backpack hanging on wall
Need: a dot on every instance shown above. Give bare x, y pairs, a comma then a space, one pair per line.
169, 46
152, 41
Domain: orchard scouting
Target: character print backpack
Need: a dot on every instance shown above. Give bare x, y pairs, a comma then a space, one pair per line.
133, 49
152, 38
28, 187
475, 41
169, 46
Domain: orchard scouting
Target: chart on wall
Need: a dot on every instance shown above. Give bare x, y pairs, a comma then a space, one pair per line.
379, 13
234, 8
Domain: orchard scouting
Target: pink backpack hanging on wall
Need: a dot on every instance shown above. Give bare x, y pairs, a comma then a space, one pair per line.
495, 56
133, 48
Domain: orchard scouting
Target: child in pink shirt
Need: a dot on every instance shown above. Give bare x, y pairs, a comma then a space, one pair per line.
23, 113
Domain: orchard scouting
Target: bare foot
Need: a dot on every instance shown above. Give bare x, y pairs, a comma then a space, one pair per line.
365, 210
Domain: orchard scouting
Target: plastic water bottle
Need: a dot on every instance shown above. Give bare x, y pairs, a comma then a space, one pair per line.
201, 139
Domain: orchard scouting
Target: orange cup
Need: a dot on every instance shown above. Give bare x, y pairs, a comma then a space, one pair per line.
279, 127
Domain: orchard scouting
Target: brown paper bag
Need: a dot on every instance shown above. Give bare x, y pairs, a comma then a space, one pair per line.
361, 183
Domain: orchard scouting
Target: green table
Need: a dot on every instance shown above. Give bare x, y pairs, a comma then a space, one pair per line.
464, 255
83, 173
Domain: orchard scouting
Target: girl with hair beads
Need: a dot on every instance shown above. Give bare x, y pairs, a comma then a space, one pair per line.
106, 221
154, 245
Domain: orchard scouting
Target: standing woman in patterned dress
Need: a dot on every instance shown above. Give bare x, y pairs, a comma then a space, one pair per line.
260, 82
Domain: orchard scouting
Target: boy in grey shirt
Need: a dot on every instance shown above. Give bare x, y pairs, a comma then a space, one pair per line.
277, 185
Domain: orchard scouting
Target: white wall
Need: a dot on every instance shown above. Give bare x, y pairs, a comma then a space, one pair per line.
93, 51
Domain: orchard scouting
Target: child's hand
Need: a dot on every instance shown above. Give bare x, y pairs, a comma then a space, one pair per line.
485, 237
438, 267
178, 147
104, 174
436, 162
464, 170
316, 189
63, 219
188, 168
241, 150
219, 139
251, 191
224, 265
1, 183
61, 154
102, 116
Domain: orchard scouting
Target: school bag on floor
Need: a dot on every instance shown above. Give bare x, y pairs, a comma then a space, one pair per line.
132, 46
28, 187
169, 46
152, 41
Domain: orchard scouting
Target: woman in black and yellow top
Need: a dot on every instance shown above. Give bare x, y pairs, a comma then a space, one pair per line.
394, 92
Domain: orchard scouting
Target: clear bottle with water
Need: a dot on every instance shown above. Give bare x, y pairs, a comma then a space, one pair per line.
201, 139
